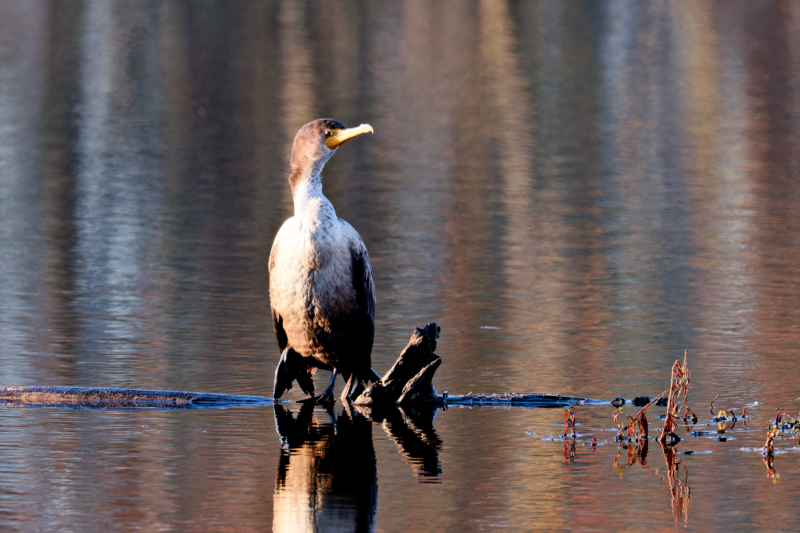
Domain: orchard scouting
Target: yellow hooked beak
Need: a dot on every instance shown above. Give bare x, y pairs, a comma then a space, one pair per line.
337, 138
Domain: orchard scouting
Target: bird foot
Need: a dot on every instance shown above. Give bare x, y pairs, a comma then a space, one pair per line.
290, 368
325, 399
285, 373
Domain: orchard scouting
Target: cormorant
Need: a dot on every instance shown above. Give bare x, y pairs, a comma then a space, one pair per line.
320, 279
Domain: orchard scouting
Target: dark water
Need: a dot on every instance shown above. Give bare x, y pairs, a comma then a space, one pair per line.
606, 183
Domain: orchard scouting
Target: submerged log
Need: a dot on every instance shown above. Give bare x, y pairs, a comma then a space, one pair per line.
520, 399
111, 398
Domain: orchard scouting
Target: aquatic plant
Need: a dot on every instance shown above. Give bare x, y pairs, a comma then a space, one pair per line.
569, 421
677, 401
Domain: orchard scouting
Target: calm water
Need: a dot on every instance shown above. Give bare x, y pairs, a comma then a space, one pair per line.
605, 183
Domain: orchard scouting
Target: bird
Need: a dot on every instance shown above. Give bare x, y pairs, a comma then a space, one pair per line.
321, 290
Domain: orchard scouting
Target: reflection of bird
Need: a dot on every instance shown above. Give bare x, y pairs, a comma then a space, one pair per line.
320, 287
327, 473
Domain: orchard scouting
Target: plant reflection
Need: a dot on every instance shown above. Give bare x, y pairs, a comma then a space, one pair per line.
569, 449
768, 462
679, 488
637, 451
327, 475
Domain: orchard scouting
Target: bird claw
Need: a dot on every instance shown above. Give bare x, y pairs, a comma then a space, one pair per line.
325, 399
290, 367
350, 388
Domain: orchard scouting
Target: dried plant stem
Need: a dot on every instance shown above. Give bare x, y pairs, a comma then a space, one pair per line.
677, 399
569, 420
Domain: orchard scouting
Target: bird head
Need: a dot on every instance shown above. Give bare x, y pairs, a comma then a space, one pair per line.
317, 141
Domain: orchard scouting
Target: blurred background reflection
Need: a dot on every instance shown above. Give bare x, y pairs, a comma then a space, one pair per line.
600, 184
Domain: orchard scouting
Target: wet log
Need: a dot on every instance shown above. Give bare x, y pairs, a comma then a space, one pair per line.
108, 397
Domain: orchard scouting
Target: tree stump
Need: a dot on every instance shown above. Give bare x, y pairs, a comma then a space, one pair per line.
410, 378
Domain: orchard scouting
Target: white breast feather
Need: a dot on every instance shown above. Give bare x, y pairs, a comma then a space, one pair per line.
311, 273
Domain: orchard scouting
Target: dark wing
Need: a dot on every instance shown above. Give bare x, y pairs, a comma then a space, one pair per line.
365, 297
362, 282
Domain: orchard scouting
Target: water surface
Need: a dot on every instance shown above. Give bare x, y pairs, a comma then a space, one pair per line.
601, 185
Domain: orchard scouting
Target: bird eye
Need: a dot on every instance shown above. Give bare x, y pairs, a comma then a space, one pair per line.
328, 133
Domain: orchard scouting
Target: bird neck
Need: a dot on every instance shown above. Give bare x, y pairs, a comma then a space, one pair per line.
306, 190
305, 177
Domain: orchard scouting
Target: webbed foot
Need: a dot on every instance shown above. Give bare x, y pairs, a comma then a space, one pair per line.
306, 380
290, 367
